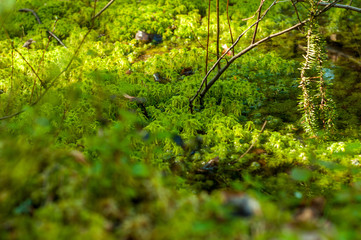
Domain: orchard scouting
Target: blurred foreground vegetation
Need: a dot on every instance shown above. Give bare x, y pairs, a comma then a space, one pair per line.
110, 153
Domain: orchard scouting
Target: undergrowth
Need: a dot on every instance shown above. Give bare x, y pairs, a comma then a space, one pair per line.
110, 153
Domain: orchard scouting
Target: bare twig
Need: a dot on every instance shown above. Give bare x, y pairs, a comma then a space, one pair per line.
202, 93
253, 143
218, 30
296, 10
328, 5
21, 55
12, 115
209, 19
229, 25
200, 44
250, 47
56, 38
348, 7
52, 82
39, 21
259, 16
224, 54
31, 67
104, 8
33, 12
246, 19
42, 58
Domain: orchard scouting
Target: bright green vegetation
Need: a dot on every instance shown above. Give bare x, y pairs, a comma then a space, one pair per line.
88, 161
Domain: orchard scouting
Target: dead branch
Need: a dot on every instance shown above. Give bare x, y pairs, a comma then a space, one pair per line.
202, 93
39, 21
224, 54
259, 16
250, 47
104, 8
253, 143
348, 7
53, 81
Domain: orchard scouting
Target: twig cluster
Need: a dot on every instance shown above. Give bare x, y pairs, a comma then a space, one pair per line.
206, 85
54, 80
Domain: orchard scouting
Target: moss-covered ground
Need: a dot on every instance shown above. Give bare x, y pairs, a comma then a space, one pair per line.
108, 151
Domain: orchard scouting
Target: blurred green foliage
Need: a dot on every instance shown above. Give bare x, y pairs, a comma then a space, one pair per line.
109, 153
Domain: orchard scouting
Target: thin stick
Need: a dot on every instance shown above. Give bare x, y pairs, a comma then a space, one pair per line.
200, 44
250, 47
295, 7
42, 58
209, 19
56, 38
31, 67
11, 81
246, 19
104, 8
229, 26
342, 6
33, 12
39, 21
253, 143
13, 47
224, 54
52, 83
218, 30
259, 16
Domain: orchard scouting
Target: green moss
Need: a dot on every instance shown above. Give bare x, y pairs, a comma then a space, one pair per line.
110, 153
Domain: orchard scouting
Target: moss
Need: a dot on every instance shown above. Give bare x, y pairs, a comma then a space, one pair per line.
110, 153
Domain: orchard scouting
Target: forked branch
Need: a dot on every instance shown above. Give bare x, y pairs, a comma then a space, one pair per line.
224, 54
202, 91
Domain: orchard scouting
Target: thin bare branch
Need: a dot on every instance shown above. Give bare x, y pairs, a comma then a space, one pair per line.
52, 82
31, 67
250, 47
42, 58
246, 19
296, 10
218, 30
39, 21
229, 25
348, 7
12, 115
253, 143
104, 8
207, 51
259, 16
56, 38
21, 55
200, 44
225, 53
33, 12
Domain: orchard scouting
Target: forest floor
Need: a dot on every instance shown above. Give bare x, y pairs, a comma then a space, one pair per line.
99, 142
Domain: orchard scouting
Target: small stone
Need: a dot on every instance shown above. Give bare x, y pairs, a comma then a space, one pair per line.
28, 43
242, 205
187, 71
160, 79
143, 36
